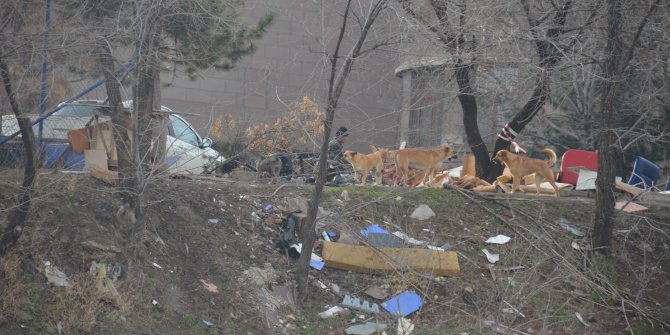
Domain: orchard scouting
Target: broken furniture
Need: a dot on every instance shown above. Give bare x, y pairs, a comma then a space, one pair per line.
573, 162
645, 173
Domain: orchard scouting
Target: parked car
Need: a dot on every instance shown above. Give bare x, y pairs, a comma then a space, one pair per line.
187, 151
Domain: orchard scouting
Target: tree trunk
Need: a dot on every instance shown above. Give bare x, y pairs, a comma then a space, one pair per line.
335, 86
17, 216
120, 125
604, 216
469, 107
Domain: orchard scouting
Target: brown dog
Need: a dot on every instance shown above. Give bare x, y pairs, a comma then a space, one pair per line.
523, 166
430, 160
270, 165
363, 163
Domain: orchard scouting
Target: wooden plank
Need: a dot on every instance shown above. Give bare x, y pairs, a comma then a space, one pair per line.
95, 159
109, 177
368, 260
629, 188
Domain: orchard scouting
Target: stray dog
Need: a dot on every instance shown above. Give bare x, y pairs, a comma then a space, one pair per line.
271, 165
363, 163
523, 166
430, 160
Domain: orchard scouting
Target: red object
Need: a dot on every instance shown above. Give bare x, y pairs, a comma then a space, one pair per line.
576, 158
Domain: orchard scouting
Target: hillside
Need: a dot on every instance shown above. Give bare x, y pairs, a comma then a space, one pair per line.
200, 237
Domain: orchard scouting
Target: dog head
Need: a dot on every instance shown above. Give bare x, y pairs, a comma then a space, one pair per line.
349, 155
503, 156
448, 150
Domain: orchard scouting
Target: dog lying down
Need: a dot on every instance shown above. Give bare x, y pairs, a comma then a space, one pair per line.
362, 164
524, 166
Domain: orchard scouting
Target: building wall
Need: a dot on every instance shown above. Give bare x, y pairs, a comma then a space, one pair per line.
287, 65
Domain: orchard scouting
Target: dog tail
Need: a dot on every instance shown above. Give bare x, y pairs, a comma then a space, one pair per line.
551, 155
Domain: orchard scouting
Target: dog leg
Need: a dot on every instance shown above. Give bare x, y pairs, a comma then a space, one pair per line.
516, 183
538, 180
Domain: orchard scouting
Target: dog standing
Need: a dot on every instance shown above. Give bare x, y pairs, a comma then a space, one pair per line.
363, 163
271, 165
430, 160
523, 166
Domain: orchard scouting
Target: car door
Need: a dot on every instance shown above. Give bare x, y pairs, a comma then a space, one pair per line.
185, 150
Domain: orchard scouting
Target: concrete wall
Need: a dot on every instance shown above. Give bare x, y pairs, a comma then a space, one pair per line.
288, 65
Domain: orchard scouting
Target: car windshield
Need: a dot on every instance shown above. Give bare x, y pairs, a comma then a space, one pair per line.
181, 130
75, 110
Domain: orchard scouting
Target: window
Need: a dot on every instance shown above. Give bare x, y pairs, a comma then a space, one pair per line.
180, 129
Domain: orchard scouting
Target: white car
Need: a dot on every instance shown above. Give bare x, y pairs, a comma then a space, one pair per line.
187, 151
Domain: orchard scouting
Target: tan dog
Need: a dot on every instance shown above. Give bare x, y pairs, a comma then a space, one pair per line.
523, 166
430, 160
363, 163
270, 165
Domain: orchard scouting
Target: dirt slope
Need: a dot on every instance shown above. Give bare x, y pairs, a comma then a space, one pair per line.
200, 234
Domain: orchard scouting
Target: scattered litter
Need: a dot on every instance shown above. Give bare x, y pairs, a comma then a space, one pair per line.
575, 246
156, 265
572, 229
285, 293
384, 240
335, 288
54, 275
367, 328
376, 292
500, 239
315, 261
290, 318
629, 207
213, 221
408, 239
325, 236
154, 302
209, 286
579, 317
316, 264
398, 198
357, 304
268, 207
446, 246
492, 258
331, 312
321, 285
514, 309
403, 304
345, 195
374, 228
423, 212
236, 233
208, 324
405, 326
255, 218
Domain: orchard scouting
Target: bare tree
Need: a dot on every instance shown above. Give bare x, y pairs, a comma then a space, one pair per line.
618, 54
454, 24
336, 81
12, 17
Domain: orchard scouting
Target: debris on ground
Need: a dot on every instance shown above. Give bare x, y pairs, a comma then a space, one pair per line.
405, 326
376, 292
572, 229
357, 304
423, 212
492, 258
367, 328
500, 239
54, 275
331, 312
369, 260
403, 304
209, 286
